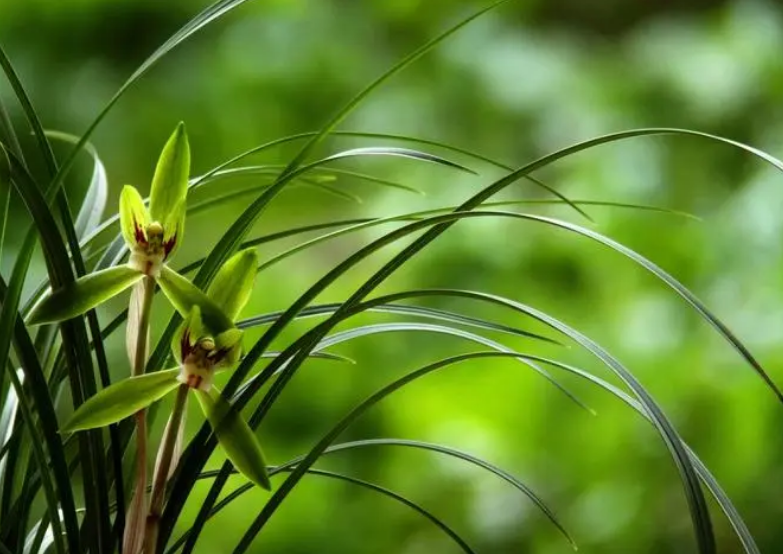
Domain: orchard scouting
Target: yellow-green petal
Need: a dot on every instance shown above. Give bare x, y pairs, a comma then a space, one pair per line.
235, 436
184, 295
122, 399
174, 228
170, 182
134, 216
233, 284
83, 294
231, 342
193, 325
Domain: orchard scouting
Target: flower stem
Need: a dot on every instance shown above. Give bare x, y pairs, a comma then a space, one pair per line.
161, 475
134, 529
140, 358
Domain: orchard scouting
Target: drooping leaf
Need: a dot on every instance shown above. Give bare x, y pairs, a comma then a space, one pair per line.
94, 202
190, 537
83, 294
122, 399
237, 439
233, 284
317, 451
170, 182
134, 216
184, 295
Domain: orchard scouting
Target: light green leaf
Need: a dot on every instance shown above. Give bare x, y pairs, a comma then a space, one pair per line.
122, 399
184, 295
233, 284
83, 294
133, 215
235, 436
170, 182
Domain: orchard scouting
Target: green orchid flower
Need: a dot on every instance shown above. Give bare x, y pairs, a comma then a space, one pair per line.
151, 235
206, 342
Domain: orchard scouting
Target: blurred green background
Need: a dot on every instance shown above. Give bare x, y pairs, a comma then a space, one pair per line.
526, 79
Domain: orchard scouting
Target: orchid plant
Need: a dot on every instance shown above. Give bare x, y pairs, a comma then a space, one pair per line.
152, 236
207, 340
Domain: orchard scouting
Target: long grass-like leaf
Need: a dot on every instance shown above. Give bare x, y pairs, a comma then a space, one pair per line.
61, 274
367, 330
702, 522
424, 312
8, 323
233, 237
94, 202
300, 469
459, 541
204, 18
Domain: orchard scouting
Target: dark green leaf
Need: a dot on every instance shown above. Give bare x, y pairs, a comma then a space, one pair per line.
9, 321
94, 202
282, 492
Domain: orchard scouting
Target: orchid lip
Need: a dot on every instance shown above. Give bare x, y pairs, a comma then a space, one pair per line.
199, 361
150, 250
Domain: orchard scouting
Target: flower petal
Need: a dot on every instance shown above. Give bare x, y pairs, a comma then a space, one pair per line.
122, 399
184, 295
83, 294
174, 228
187, 334
170, 182
229, 345
134, 216
235, 436
233, 284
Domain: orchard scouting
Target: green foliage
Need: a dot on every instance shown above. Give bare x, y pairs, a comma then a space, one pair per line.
231, 210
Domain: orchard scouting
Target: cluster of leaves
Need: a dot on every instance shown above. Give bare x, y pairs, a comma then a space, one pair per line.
36, 458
